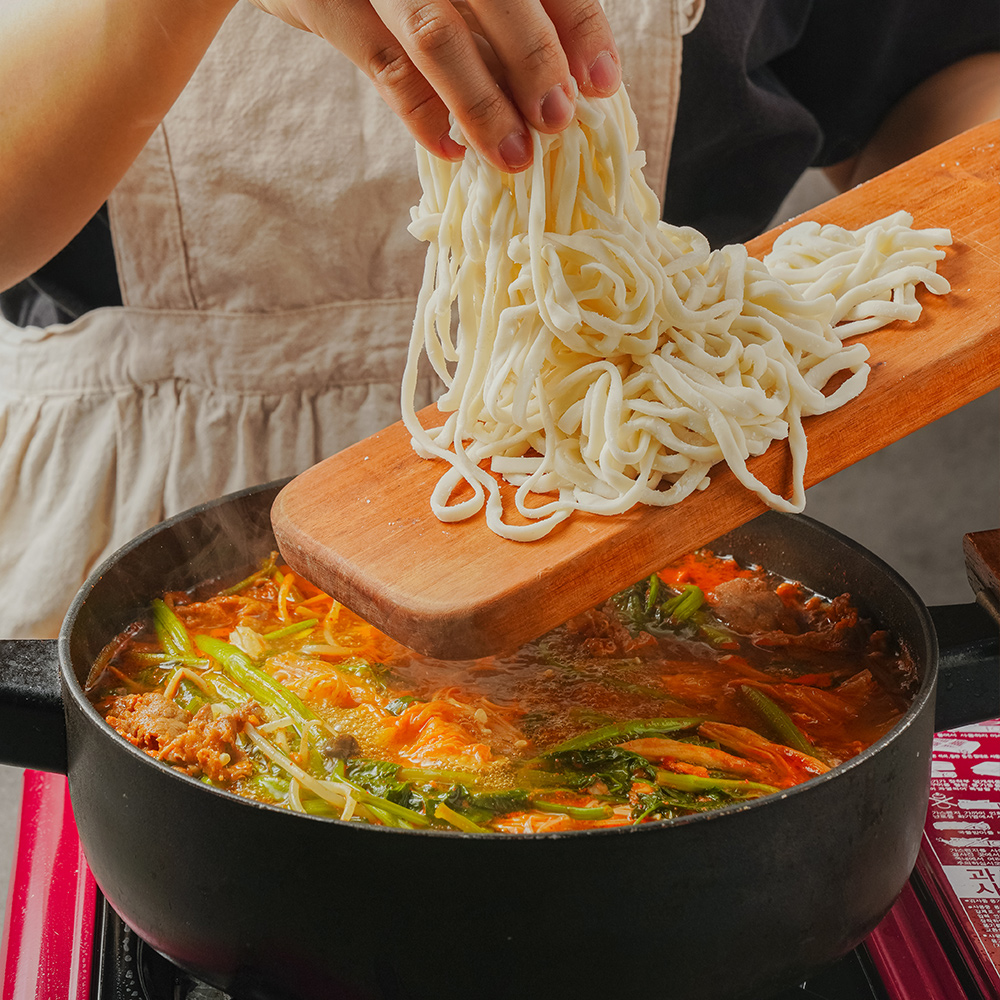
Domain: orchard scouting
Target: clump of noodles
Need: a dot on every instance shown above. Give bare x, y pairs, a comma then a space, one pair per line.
593, 352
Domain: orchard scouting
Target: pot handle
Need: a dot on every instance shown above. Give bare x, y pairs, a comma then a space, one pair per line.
968, 688
32, 720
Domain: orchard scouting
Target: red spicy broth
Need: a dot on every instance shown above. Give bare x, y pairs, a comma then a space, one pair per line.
704, 685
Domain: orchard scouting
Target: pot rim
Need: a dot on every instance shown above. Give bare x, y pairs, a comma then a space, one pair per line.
917, 706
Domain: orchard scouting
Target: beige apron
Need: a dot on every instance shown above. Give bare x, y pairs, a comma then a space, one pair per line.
269, 286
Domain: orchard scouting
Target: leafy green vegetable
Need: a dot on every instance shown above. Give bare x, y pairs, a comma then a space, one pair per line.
668, 803
391, 813
357, 665
501, 802
682, 794
434, 775
268, 786
574, 812
454, 802
643, 608
375, 673
422, 790
381, 778
697, 783
623, 731
618, 769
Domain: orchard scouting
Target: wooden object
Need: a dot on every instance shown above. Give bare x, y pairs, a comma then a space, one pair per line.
982, 564
359, 524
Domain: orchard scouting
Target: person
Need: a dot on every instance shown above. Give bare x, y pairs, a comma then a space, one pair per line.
209, 283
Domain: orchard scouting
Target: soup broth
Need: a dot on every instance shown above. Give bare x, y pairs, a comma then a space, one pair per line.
706, 684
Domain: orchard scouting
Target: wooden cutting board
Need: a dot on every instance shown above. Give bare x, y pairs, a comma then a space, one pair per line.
359, 524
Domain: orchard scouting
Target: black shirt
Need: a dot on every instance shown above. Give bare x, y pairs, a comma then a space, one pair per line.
772, 87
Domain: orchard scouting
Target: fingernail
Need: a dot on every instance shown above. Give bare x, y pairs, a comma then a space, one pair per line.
557, 107
515, 149
451, 149
605, 74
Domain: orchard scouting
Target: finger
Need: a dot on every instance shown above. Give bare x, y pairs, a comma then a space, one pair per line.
528, 47
438, 41
589, 45
355, 28
489, 57
540, 43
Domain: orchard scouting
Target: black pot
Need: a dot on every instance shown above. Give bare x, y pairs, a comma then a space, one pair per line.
266, 903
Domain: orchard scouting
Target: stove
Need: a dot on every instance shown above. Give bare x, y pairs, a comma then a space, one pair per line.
940, 941
130, 970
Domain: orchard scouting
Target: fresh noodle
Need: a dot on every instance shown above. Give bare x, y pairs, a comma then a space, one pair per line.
595, 354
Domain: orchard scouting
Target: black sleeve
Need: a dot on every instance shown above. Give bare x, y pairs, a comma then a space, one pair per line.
771, 87
81, 277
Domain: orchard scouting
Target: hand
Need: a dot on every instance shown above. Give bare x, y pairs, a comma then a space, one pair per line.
494, 64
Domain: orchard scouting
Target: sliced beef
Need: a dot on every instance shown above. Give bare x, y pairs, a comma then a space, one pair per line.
150, 720
833, 627
604, 635
201, 744
781, 617
748, 605
208, 745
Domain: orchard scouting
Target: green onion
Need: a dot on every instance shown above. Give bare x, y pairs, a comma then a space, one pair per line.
393, 809
574, 812
264, 688
266, 569
775, 717
426, 776
683, 605
190, 697
653, 592
171, 632
622, 732
287, 630
230, 693
696, 783
457, 820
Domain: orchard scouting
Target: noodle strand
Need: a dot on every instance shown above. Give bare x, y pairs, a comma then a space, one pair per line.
597, 355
